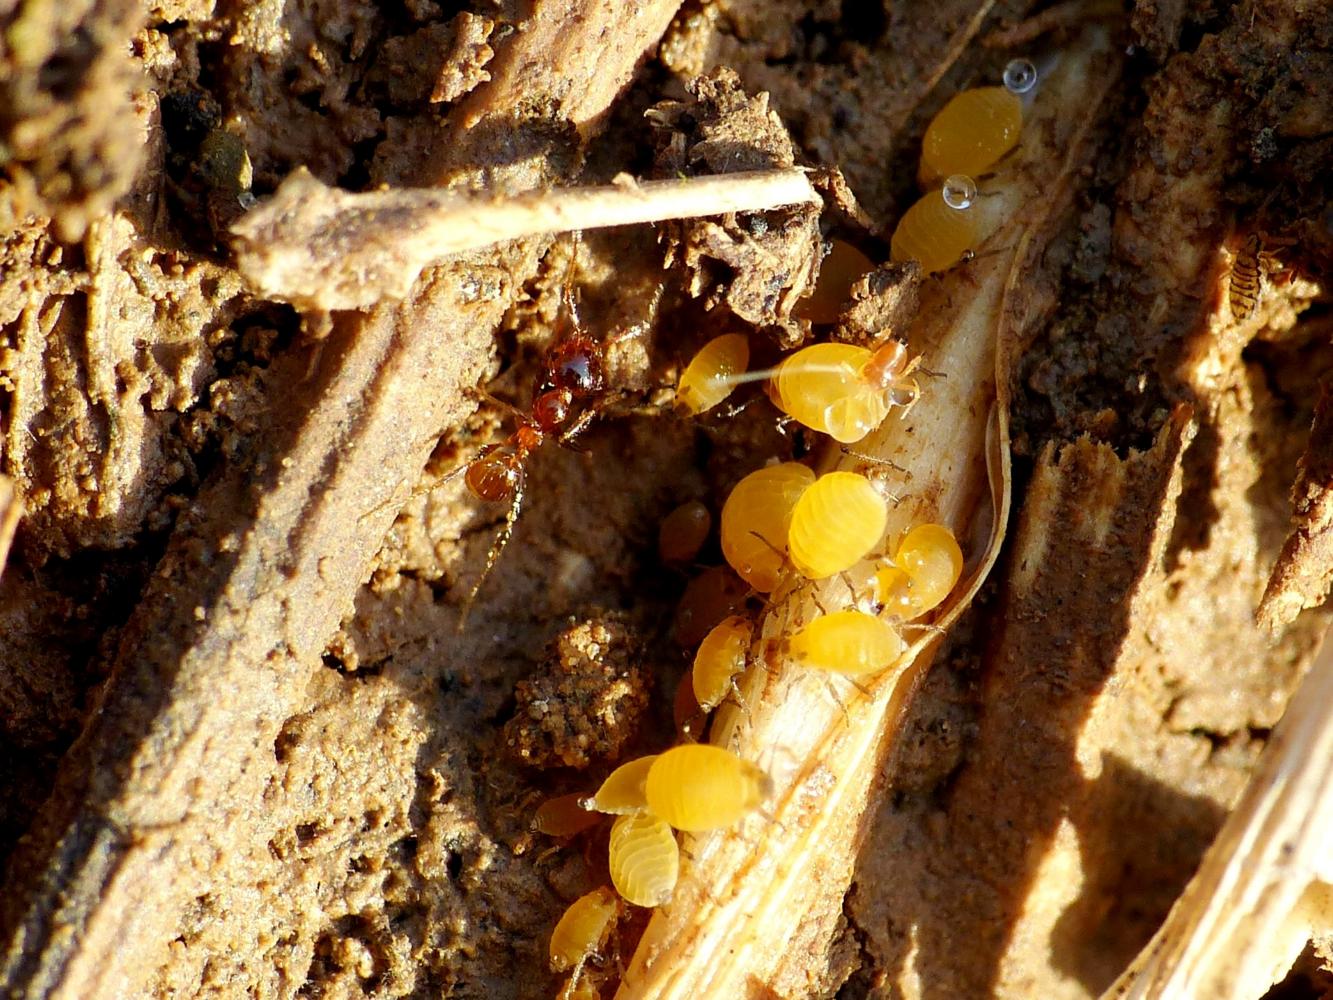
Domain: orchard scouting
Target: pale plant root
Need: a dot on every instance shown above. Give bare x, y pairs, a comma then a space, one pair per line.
758, 904
1266, 883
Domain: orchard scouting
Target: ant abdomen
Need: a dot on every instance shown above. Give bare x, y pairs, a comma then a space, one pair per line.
493, 476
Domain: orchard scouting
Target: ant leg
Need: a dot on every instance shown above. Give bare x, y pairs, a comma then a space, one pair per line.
580, 424
482, 396
501, 540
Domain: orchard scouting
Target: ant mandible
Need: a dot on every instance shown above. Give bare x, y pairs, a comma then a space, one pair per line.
568, 389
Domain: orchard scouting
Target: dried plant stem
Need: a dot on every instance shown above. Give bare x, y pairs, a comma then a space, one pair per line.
1267, 880
757, 903
11, 509
333, 249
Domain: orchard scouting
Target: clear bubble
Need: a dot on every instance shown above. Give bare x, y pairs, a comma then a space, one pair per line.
959, 191
1020, 76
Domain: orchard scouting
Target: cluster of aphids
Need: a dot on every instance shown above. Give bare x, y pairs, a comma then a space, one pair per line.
781, 522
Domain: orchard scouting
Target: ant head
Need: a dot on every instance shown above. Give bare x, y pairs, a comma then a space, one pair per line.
550, 409
886, 365
494, 475
575, 365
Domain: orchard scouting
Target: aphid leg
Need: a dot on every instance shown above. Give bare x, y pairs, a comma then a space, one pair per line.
925, 627
575, 973
872, 459
833, 693
501, 540
548, 853
736, 698
736, 409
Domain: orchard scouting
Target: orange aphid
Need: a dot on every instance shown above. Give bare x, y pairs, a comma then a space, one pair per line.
644, 859
583, 928
844, 390
720, 659
755, 519
711, 374
622, 791
563, 816
837, 273
698, 787
683, 532
924, 569
835, 523
708, 598
934, 233
971, 133
846, 642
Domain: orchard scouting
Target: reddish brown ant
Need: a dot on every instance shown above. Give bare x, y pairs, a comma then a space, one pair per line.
566, 398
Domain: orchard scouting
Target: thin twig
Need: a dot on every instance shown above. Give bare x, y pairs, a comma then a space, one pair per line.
11, 509
329, 249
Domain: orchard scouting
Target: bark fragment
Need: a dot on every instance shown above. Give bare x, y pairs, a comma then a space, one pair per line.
1303, 575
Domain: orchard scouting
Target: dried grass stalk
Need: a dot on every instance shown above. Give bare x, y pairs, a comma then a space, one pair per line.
328, 249
757, 902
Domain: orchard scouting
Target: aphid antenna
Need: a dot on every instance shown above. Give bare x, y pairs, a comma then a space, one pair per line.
501, 540
736, 409
930, 372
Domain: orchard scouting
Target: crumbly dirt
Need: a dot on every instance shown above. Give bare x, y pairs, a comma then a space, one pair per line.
361, 826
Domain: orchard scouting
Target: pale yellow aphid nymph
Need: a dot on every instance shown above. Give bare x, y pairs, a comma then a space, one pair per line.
711, 374
846, 642
843, 390
697, 787
835, 524
720, 658
755, 519
582, 929
971, 133
644, 859
924, 569
622, 791
934, 233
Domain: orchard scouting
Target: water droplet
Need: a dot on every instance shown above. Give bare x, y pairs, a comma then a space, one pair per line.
1020, 76
959, 191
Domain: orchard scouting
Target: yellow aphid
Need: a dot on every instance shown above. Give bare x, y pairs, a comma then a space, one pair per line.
971, 133
721, 657
697, 787
622, 791
711, 374
924, 570
583, 928
563, 816
837, 273
846, 642
934, 234
843, 390
644, 859
836, 522
683, 533
755, 520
